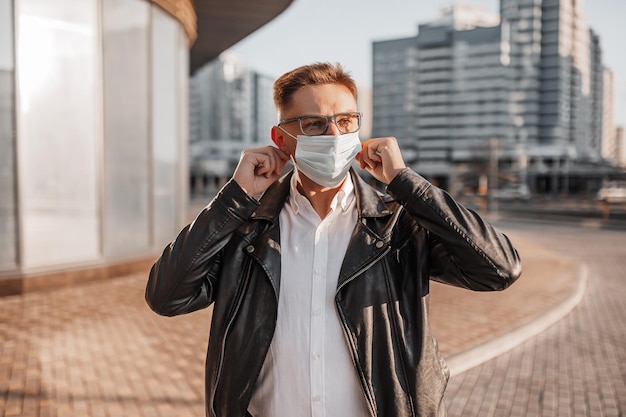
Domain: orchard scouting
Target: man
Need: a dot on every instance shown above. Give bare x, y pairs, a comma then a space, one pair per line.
319, 283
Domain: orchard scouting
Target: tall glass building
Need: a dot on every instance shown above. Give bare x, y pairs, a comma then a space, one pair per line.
523, 86
94, 129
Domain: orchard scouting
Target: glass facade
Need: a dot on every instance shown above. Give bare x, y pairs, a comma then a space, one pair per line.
126, 81
8, 232
93, 132
57, 131
167, 72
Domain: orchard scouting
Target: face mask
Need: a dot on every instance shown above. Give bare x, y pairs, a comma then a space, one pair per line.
326, 159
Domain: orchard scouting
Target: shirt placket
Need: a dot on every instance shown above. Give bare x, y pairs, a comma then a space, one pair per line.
318, 314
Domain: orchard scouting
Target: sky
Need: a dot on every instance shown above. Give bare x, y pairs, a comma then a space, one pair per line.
343, 31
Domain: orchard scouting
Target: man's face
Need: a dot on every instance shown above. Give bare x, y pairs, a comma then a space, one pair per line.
322, 99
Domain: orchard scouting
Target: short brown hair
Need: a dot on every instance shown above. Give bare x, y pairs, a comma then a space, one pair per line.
314, 74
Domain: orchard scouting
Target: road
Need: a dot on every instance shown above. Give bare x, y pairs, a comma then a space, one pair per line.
575, 368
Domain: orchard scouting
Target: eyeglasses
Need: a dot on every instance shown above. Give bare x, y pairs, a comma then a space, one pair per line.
317, 125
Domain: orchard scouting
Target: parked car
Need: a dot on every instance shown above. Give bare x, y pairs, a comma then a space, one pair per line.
612, 193
512, 192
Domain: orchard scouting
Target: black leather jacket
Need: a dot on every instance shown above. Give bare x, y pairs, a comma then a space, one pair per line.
230, 256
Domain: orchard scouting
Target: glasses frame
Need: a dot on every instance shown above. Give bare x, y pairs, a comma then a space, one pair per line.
328, 120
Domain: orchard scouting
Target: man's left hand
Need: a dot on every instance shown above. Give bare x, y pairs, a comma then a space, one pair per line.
382, 158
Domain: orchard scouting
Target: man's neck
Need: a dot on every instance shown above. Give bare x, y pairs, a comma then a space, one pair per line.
320, 197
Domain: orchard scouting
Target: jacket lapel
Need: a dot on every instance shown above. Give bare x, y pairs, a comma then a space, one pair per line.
369, 242
267, 245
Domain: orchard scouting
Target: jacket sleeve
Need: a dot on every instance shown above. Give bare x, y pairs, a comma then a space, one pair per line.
465, 250
183, 279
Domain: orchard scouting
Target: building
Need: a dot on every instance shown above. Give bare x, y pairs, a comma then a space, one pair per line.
94, 129
596, 95
609, 145
231, 108
620, 146
525, 89
444, 92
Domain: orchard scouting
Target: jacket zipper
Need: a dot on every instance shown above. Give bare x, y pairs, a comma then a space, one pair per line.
238, 301
353, 350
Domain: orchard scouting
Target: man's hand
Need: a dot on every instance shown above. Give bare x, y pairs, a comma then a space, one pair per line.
381, 157
258, 168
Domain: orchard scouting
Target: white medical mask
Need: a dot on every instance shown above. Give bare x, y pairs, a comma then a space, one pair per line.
326, 159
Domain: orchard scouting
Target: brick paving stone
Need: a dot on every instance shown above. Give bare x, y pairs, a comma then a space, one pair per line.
577, 366
483, 315
97, 350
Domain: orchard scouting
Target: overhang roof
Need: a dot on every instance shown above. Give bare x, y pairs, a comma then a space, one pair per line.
223, 23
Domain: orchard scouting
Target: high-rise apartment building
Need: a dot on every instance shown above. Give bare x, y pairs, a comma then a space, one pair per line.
526, 85
596, 93
444, 87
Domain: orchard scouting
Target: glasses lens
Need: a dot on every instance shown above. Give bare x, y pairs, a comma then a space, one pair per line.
348, 122
317, 125
313, 125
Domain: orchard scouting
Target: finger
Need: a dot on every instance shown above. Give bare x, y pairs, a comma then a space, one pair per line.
281, 159
282, 153
363, 155
264, 163
374, 153
359, 159
275, 161
273, 169
261, 163
261, 167
367, 157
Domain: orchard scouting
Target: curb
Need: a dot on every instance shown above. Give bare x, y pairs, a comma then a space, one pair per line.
474, 356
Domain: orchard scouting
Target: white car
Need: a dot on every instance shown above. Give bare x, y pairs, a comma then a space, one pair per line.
612, 193
512, 192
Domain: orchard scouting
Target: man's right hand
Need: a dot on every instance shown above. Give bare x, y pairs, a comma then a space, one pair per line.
258, 168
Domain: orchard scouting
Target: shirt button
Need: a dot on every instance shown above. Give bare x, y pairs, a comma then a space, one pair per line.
317, 312
316, 356
317, 399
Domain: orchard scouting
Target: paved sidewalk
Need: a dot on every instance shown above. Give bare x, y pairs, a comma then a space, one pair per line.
576, 367
97, 350
471, 326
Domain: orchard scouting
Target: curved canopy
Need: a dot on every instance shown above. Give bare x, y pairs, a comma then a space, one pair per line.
223, 23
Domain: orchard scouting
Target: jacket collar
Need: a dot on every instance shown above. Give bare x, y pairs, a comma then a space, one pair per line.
369, 202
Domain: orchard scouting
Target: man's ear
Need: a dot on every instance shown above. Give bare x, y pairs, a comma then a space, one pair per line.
277, 137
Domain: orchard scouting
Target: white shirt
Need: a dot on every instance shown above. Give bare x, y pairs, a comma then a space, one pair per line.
308, 370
